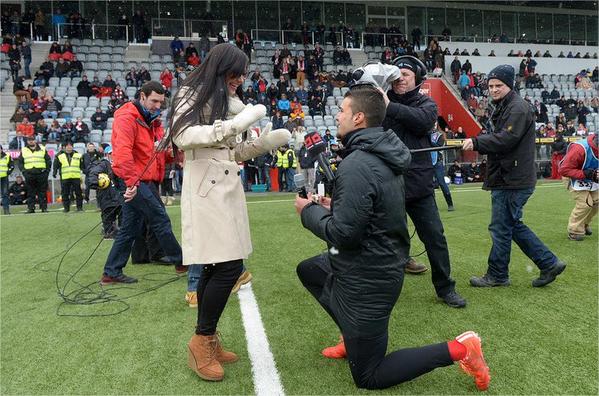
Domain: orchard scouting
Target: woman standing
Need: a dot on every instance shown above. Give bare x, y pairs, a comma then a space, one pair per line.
209, 124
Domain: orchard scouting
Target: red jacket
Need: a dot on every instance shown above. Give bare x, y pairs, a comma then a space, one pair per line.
571, 166
133, 147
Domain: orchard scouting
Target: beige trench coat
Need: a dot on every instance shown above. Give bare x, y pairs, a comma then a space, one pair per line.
214, 218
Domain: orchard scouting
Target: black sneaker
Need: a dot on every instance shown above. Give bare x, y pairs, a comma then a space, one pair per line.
487, 281
111, 280
549, 275
454, 300
588, 230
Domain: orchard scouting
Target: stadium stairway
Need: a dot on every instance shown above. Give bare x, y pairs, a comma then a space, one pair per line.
358, 57
137, 53
39, 52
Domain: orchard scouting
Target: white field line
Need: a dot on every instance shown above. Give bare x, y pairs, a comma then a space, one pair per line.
266, 377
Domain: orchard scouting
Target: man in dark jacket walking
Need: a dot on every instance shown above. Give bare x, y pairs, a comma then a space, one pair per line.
359, 279
412, 116
511, 177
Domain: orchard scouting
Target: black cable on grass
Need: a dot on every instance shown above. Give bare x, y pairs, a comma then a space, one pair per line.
85, 295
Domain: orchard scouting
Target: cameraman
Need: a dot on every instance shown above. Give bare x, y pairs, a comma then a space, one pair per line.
412, 116
359, 279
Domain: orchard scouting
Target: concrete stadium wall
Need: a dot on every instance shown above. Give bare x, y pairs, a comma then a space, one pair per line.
484, 64
502, 49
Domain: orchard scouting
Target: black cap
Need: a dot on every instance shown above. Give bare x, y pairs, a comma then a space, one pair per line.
406, 63
503, 73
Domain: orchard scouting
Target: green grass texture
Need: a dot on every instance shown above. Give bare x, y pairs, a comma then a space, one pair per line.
132, 340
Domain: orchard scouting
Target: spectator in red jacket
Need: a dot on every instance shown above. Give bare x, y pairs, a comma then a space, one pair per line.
579, 170
193, 60
135, 129
166, 78
25, 127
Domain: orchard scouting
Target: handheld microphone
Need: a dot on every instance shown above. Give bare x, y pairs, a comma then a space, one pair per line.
316, 148
300, 185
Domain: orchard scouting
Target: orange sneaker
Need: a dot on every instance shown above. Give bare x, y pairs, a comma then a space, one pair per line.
474, 363
191, 298
335, 352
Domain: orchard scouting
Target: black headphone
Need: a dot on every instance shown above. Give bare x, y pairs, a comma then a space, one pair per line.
420, 71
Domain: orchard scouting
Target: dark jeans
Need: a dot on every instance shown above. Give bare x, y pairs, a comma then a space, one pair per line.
37, 185
282, 174
425, 216
4, 191
440, 176
214, 289
370, 367
145, 206
68, 186
507, 226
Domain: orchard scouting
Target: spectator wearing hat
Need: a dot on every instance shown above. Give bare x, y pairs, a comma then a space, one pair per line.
412, 116
511, 178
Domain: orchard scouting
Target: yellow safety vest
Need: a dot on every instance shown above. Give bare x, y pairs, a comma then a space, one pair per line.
72, 170
282, 160
34, 159
4, 166
287, 158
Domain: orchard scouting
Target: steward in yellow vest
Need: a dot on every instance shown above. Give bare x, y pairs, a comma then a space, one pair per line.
282, 162
68, 162
6, 167
35, 163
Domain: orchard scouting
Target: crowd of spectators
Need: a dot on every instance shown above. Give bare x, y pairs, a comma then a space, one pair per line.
72, 25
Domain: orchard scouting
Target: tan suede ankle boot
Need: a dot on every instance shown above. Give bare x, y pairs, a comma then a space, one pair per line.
222, 355
202, 357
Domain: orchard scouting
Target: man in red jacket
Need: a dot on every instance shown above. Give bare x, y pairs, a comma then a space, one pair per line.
136, 132
579, 170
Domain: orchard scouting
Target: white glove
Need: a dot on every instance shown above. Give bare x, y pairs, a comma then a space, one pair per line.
242, 121
270, 140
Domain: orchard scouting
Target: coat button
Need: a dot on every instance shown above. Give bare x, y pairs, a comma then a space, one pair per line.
226, 171
238, 173
213, 181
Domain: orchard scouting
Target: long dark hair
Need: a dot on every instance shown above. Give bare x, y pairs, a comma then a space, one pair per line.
208, 83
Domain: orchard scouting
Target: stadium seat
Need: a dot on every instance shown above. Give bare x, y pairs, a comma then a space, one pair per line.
79, 147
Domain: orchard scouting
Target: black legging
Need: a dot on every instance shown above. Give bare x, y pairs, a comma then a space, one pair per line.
214, 289
369, 366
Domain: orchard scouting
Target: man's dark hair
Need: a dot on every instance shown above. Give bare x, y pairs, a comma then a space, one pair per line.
365, 98
152, 86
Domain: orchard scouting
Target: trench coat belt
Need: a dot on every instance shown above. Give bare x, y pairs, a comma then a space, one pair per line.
223, 153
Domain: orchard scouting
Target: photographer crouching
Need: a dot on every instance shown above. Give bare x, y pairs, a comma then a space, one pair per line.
359, 279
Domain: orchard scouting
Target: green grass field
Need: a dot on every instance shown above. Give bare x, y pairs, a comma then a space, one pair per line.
536, 341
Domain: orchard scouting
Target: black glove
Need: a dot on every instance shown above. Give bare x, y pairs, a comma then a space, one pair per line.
591, 174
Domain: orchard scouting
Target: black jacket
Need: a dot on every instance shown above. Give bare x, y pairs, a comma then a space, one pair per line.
510, 148
366, 230
109, 197
412, 117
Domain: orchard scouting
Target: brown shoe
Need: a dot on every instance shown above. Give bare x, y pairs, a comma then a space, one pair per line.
202, 357
412, 267
244, 278
222, 355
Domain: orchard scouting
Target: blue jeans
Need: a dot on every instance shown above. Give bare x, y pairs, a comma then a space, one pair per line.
289, 173
4, 191
145, 206
194, 274
507, 226
440, 176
